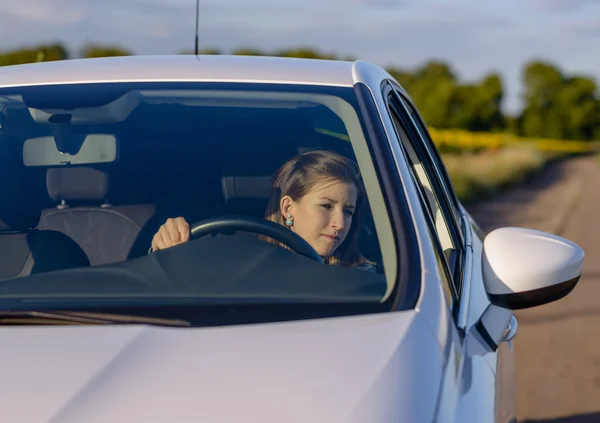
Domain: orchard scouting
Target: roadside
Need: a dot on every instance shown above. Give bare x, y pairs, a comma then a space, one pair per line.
558, 345
543, 203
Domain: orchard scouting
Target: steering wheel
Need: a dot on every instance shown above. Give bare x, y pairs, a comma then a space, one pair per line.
258, 226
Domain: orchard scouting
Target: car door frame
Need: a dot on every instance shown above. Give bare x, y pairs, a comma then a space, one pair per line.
503, 405
452, 219
473, 299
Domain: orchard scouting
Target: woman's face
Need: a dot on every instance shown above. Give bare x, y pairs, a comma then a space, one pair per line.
324, 215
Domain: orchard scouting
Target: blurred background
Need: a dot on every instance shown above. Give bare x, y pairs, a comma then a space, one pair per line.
509, 90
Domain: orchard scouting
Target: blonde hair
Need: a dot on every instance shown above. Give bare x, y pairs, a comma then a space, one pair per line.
299, 175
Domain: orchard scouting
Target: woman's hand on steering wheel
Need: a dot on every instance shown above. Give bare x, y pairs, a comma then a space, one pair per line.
177, 231
275, 231
173, 232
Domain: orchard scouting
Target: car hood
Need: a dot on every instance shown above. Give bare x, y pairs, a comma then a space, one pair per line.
375, 368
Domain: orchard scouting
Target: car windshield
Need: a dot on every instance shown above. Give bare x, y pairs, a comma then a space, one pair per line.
91, 171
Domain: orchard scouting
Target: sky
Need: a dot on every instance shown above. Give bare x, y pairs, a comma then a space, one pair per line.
474, 36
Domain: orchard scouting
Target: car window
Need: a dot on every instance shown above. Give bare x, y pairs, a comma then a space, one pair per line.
107, 164
432, 195
436, 161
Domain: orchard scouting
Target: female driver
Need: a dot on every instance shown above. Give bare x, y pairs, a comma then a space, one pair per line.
319, 195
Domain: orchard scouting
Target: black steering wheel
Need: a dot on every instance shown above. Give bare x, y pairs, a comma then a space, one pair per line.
258, 226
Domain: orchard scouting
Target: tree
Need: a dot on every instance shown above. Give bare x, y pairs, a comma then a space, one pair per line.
207, 51
542, 81
404, 77
246, 51
432, 88
304, 53
557, 105
97, 50
42, 53
542, 84
488, 105
579, 106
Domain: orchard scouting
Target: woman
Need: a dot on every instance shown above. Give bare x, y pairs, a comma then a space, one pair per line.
319, 195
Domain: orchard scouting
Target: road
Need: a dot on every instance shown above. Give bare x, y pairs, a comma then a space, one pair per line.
558, 344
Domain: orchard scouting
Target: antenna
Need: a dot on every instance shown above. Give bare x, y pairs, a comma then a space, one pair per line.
197, 12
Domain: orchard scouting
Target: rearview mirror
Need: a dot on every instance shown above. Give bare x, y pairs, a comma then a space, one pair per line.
86, 149
525, 268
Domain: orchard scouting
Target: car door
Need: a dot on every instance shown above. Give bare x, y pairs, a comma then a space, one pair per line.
503, 360
481, 398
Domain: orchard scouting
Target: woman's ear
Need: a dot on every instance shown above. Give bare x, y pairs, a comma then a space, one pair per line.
286, 207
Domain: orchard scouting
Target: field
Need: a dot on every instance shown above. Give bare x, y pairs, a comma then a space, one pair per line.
482, 164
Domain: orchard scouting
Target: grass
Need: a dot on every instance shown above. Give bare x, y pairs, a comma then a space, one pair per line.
482, 165
460, 141
482, 175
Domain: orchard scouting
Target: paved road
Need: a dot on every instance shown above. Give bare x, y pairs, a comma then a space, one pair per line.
558, 345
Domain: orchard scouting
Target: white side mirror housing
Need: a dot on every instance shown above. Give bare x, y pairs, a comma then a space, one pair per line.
525, 268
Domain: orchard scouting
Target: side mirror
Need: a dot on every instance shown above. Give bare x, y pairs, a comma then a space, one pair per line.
523, 268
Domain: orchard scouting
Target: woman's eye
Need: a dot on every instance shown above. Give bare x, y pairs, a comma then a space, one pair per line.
349, 212
326, 206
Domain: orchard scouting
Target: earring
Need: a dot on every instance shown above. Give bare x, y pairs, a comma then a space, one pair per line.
289, 220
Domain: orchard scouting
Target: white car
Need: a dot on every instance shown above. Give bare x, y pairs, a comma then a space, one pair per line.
95, 154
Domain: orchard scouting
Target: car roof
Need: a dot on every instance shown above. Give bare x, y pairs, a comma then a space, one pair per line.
209, 68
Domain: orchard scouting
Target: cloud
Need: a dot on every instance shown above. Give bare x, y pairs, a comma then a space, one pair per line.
558, 6
585, 29
379, 3
40, 12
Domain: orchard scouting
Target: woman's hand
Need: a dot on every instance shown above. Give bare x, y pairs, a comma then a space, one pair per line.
173, 232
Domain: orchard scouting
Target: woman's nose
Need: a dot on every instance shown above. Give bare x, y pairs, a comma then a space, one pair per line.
337, 220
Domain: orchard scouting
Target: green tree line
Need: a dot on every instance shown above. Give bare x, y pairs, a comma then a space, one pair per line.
555, 104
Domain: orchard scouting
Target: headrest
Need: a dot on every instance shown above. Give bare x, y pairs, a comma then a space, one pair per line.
237, 187
20, 204
77, 184
259, 148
